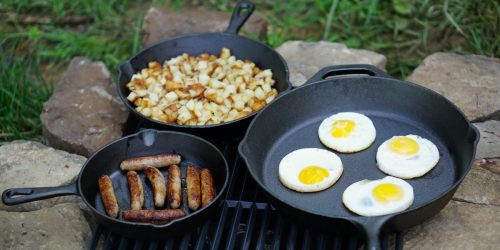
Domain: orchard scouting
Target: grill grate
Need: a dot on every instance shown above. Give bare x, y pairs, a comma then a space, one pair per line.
245, 221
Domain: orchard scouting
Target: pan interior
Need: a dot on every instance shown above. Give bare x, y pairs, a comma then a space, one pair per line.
107, 161
395, 107
357, 166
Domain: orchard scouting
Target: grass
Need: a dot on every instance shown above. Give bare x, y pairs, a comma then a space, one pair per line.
39, 37
21, 97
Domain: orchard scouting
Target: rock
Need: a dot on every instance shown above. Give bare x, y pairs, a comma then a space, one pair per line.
482, 183
60, 227
489, 144
84, 112
460, 225
161, 24
31, 164
480, 186
304, 59
492, 165
472, 82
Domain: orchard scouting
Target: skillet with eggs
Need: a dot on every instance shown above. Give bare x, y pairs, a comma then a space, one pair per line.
360, 129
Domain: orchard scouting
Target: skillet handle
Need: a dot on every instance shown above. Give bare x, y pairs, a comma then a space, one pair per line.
240, 15
371, 227
350, 69
14, 196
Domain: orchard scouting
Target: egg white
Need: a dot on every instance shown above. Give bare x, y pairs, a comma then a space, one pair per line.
291, 165
404, 166
358, 197
360, 138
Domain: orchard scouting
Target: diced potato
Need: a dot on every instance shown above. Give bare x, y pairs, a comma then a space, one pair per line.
201, 90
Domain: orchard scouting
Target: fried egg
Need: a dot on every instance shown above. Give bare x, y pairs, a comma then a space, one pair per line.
378, 197
407, 156
310, 169
347, 132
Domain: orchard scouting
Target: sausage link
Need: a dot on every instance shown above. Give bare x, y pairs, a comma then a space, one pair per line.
153, 216
174, 186
207, 187
193, 187
158, 183
157, 161
108, 196
136, 190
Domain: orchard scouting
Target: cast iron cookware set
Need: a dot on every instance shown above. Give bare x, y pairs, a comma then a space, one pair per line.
290, 122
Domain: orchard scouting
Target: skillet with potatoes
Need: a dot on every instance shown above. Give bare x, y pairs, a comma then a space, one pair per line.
207, 84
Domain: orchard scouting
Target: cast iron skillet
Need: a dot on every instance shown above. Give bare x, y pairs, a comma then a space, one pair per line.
107, 160
196, 44
396, 108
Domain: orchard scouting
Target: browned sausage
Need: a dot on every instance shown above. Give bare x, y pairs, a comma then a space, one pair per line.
136, 190
207, 187
193, 187
153, 216
158, 183
157, 161
174, 186
108, 196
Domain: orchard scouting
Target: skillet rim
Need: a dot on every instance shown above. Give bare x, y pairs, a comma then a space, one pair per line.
151, 225
289, 86
355, 217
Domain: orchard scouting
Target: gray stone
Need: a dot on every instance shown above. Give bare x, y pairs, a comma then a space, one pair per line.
472, 82
306, 58
492, 165
489, 144
460, 225
161, 24
63, 226
31, 164
482, 183
480, 186
84, 112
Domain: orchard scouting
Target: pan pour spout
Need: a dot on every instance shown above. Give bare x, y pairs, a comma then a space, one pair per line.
371, 228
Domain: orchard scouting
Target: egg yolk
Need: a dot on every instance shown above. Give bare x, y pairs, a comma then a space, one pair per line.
313, 174
342, 128
404, 145
387, 192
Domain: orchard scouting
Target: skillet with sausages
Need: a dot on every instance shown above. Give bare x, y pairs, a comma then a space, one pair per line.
125, 191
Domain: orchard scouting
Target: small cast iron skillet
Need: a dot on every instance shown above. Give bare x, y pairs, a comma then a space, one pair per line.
193, 150
396, 108
195, 44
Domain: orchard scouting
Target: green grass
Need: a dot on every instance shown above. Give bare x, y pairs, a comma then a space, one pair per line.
38, 41
21, 98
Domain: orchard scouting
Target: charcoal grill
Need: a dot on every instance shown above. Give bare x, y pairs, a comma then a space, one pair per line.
245, 221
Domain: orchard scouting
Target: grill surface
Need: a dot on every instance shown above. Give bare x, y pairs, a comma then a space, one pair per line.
245, 221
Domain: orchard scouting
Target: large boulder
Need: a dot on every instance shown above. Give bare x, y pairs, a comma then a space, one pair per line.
63, 226
472, 82
31, 164
55, 223
304, 59
84, 112
160, 24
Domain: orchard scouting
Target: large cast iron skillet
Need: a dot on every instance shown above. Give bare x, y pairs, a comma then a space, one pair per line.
107, 160
396, 108
196, 44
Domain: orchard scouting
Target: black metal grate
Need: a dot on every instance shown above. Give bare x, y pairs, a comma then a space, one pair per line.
245, 221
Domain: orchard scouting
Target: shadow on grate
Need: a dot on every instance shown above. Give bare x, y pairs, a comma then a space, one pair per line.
245, 221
